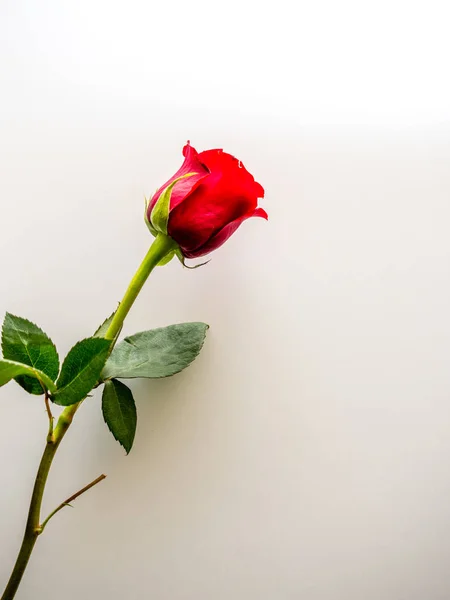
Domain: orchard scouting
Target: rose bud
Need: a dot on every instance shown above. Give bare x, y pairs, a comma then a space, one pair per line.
204, 203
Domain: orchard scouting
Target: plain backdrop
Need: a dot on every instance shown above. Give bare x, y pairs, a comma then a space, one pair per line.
306, 453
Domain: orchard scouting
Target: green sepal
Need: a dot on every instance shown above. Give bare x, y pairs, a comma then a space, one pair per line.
166, 259
24, 342
182, 260
147, 222
159, 217
119, 412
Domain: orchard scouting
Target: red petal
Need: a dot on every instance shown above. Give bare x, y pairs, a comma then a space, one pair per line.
218, 160
222, 236
260, 212
228, 194
183, 188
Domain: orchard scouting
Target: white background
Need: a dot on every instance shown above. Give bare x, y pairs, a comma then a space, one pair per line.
306, 453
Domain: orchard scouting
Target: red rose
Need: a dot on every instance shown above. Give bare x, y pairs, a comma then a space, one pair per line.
204, 203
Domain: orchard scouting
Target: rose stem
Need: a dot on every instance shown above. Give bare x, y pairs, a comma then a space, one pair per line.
162, 245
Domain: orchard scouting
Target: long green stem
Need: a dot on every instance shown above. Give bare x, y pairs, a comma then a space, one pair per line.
161, 246
33, 528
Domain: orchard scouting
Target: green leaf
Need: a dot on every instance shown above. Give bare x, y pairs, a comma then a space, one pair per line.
24, 342
10, 370
119, 412
81, 370
100, 333
156, 353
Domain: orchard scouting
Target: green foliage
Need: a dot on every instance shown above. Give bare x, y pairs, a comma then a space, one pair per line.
30, 358
24, 342
101, 331
119, 412
81, 370
10, 370
156, 353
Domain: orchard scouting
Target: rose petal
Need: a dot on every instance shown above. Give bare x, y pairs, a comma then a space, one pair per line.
218, 160
226, 195
183, 188
222, 236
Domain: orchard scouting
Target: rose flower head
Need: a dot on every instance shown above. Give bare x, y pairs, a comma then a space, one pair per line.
204, 203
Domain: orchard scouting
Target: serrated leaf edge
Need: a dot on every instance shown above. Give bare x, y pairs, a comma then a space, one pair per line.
127, 339
51, 343
61, 389
111, 382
